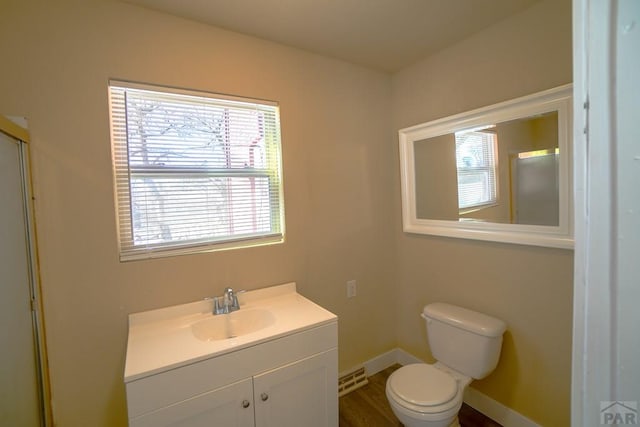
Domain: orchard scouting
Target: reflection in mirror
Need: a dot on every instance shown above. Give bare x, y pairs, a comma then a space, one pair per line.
499, 173
505, 173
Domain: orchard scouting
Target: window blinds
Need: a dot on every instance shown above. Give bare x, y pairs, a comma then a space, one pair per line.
476, 167
194, 171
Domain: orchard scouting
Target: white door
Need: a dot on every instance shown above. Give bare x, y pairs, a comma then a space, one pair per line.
229, 406
304, 393
19, 386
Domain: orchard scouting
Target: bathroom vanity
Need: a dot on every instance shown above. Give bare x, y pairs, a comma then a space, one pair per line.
271, 363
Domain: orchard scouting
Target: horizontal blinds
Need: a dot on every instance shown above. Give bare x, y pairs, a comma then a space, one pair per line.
194, 172
476, 167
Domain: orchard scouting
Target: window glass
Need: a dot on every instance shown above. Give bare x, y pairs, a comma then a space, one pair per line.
476, 168
194, 171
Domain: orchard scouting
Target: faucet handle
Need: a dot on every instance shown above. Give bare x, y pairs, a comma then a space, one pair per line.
234, 304
217, 307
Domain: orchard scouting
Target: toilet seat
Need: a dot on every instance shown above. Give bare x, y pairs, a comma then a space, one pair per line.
424, 389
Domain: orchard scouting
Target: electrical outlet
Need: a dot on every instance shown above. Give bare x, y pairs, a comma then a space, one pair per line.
351, 289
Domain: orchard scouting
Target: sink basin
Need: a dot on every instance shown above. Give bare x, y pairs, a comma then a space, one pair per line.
232, 325
167, 338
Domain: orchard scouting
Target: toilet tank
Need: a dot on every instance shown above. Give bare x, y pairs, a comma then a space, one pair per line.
464, 340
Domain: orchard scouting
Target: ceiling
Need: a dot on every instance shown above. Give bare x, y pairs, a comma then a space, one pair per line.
387, 35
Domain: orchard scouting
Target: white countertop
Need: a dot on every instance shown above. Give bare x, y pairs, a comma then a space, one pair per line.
162, 339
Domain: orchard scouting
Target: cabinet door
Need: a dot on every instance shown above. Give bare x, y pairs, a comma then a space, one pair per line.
230, 406
304, 393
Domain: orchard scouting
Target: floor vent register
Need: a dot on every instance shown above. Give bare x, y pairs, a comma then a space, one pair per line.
352, 381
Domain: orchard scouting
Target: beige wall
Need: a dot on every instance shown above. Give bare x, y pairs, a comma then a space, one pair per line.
530, 288
335, 134
341, 193
438, 176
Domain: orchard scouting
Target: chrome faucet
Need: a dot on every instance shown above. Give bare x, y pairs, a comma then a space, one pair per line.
227, 303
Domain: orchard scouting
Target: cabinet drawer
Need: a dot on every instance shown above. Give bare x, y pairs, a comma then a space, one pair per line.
160, 390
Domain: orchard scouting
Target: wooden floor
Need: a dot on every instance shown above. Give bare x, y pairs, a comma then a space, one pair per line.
368, 407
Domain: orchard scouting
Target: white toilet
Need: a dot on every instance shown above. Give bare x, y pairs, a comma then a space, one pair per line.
466, 345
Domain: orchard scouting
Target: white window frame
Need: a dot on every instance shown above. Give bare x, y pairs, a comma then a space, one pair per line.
490, 170
125, 172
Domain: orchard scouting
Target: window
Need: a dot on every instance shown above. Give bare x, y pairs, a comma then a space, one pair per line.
476, 165
194, 171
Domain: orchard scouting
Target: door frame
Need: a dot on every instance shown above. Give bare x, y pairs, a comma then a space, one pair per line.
601, 323
22, 137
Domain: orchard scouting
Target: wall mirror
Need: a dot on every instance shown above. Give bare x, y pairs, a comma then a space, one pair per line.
500, 173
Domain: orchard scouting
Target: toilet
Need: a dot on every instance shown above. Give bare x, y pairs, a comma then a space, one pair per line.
466, 345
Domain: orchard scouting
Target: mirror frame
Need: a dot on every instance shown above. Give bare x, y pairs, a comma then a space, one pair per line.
557, 99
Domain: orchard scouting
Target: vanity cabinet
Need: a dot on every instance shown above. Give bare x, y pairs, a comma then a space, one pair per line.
290, 381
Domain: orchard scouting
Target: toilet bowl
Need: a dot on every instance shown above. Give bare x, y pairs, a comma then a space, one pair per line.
423, 395
466, 345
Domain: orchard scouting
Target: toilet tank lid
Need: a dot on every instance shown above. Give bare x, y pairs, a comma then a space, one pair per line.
463, 318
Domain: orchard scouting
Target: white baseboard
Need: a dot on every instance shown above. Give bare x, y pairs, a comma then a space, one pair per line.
472, 397
381, 362
496, 410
